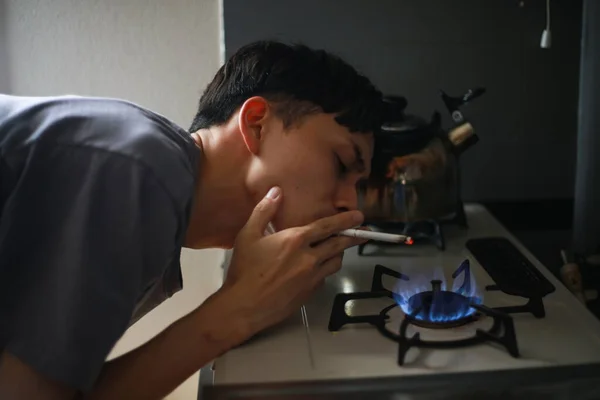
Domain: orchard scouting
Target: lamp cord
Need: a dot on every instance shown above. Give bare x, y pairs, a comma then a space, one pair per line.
547, 15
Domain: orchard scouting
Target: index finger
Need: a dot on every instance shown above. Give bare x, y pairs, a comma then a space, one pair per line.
325, 227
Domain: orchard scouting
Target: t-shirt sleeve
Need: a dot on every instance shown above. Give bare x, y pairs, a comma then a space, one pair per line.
82, 235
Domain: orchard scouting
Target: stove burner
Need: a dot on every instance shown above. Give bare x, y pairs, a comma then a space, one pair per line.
441, 308
502, 331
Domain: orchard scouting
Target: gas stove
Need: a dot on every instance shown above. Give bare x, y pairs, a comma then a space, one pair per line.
414, 311
438, 307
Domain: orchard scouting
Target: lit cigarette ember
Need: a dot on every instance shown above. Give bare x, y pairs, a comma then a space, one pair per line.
380, 236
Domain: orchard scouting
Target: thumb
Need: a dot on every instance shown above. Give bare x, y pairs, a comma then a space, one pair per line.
263, 212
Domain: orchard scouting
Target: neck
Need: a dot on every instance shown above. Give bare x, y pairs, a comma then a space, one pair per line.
222, 204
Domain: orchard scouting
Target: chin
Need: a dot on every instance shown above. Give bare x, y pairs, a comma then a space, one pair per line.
296, 224
310, 220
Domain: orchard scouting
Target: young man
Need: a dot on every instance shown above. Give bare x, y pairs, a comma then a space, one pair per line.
99, 195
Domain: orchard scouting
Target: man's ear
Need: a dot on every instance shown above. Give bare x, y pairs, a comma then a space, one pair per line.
251, 122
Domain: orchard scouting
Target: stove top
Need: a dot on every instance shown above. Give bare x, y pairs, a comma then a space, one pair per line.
417, 311
440, 307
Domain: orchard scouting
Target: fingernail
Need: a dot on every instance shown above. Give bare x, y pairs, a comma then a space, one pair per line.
274, 193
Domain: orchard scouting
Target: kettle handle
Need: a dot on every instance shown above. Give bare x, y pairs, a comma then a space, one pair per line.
472, 94
453, 103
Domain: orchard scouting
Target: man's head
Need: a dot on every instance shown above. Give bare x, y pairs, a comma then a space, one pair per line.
290, 116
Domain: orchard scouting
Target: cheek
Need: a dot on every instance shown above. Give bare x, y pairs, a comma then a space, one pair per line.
299, 169
308, 193
308, 179
313, 178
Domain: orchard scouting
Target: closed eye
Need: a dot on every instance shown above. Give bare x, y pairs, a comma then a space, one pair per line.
362, 182
342, 168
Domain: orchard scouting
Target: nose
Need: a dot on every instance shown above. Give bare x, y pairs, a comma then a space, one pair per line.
346, 198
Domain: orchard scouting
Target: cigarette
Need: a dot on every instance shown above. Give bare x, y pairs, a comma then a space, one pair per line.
382, 237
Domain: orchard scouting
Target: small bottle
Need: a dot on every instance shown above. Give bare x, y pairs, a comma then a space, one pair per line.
570, 275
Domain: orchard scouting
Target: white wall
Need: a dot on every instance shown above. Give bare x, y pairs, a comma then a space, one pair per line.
157, 53
3, 50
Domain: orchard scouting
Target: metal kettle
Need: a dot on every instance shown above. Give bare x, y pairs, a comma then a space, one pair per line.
415, 169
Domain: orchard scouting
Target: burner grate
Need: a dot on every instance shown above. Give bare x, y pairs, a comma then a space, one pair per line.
502, 331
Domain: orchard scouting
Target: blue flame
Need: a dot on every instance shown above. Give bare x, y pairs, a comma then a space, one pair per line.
445, 305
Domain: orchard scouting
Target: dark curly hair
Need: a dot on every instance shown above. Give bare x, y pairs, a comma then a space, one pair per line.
298, 80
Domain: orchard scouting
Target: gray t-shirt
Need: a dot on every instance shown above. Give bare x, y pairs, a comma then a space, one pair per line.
95, 198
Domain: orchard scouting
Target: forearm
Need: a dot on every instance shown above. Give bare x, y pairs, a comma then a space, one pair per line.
159, 366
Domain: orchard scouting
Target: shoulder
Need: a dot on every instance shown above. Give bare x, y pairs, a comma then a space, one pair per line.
108, 125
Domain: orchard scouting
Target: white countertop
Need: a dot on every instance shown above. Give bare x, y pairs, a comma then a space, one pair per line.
569, 334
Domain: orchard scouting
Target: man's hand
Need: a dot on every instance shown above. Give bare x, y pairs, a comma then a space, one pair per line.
272, 276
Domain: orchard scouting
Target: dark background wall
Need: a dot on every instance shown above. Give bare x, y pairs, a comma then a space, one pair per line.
586, 224
527, 121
